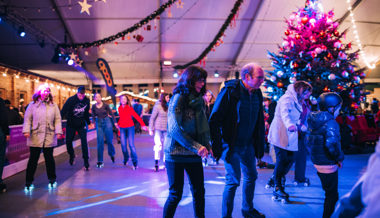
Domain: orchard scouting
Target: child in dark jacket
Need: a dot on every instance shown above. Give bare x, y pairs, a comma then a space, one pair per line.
324, 140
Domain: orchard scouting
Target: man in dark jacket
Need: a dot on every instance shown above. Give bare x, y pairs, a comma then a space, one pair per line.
4, 137
14, 117
237, 135
76, 111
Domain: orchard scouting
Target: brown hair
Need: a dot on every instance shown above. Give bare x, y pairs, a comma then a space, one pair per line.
37, 95
164, 103
128, 101
302, 86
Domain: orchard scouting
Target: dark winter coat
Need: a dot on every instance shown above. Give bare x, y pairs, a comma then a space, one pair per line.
323, 138
224, 117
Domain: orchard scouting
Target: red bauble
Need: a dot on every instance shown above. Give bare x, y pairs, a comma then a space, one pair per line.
323, 47
336, 33
295, 65
280, 85
340, 87
298, 36
304, 20
349, 45
287, 32
329, 55
312, 39
322, 34
139, 38
326, 89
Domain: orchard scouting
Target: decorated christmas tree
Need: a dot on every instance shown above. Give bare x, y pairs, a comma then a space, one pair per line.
313, 51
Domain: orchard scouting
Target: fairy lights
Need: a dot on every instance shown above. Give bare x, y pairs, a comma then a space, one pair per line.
357, 38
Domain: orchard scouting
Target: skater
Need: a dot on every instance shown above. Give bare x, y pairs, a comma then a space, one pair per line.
138, 108
101, 113
42, 122
4, 138
283, 133
127, 129
76, 110
238, 119
187, 141
158, 126
324, 141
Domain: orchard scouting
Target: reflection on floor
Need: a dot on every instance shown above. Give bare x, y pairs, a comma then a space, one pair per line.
118, 191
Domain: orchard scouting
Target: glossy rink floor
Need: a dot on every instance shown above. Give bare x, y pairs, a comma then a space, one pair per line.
118, 191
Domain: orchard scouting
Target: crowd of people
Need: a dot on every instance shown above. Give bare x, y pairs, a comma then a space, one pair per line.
188, 126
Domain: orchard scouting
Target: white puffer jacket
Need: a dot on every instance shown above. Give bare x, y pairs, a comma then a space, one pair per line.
288, 112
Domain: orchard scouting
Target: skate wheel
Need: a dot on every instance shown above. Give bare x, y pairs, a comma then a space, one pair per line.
267, 187
306, 184
295, 183
284, 201
274, 198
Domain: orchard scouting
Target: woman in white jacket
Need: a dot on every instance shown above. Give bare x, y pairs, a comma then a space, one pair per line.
42, 122
283, 132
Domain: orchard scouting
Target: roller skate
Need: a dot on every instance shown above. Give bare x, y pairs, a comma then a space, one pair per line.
28, 187
279, 194
270, 183
113, 159
52, 184
305, 182
3, 188
99, 165
156, 166
86, 165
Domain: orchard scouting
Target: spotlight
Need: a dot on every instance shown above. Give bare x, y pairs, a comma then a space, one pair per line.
167, 63
175, 74
216, 74
21, 31
70, 62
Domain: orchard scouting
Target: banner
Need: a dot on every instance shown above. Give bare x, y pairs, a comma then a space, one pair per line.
107, 76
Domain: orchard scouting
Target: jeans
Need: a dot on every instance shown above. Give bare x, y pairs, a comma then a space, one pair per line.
240, 159
104, 127
175, 173
70, 133
284, 161
159, 137
330, 186
33, 162
3, 146
128, 134
300, 159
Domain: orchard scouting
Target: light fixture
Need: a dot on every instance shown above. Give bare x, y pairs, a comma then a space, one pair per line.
36, 80
4, 74
167, 63
27, 79
17, 76
21, 31
216, 74
70, 62
175, 74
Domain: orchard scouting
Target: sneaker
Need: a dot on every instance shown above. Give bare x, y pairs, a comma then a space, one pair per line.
99, 164
52, 184
252, 214
72, 160
113, 159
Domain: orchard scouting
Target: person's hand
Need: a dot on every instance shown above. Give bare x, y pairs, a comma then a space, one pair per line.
150, 132
91, 126
203, 152
292, 128
27, 135
8, 138
117, 126
340, 164
145, 128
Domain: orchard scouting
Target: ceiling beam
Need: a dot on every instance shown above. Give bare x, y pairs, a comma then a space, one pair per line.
345, 15
251, 22
159, 48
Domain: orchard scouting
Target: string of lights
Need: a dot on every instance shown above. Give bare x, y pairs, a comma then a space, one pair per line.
357, 38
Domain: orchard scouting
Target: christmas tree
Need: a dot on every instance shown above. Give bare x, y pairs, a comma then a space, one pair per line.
313, 51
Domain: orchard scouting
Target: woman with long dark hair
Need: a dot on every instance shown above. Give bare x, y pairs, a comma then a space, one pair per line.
187, 140
158, 126
127, 129
42, 123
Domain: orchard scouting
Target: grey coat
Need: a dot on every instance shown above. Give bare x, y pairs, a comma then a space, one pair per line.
42, 121
159, 118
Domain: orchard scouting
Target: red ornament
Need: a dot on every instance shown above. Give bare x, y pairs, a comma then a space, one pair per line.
329, 55
148, 27
123, 37
312, 39
295, 65
280, 85
298, 36
139, 38
326, 89
349, 45
336, 33
304, 20
322, 34
116, 43
323, 47
287, 32
340, 87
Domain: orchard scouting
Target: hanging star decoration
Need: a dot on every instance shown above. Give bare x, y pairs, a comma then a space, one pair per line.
180, 4
73, 56
85, 7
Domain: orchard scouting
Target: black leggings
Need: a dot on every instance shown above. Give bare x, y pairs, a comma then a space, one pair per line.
33, 162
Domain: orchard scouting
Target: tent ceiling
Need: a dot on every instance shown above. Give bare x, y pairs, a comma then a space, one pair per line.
180, 38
